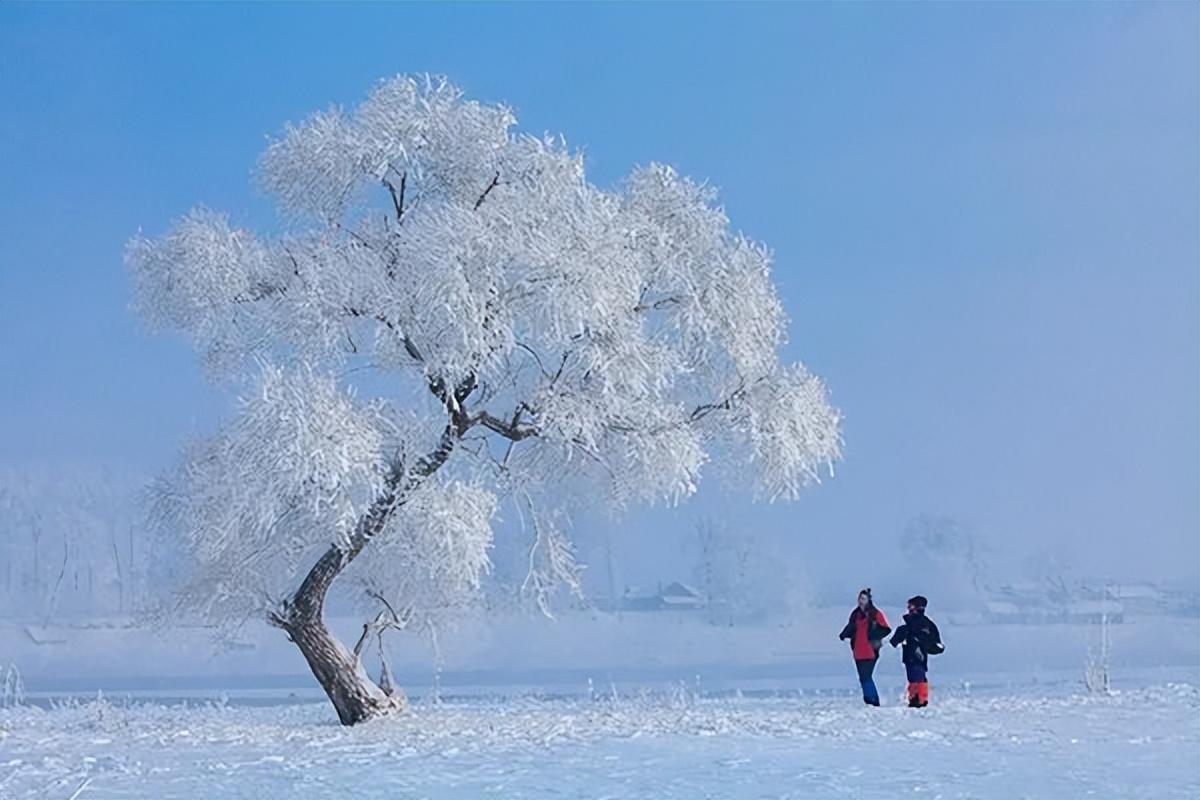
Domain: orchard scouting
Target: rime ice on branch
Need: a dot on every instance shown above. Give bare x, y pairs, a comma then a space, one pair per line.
453, 318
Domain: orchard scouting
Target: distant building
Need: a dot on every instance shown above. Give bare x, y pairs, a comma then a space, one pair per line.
1182, 602
675, 596
1042, 604
680, 595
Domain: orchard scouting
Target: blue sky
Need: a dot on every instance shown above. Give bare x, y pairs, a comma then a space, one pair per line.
985, 221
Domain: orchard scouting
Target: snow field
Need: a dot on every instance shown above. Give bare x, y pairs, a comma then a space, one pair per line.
1142, 743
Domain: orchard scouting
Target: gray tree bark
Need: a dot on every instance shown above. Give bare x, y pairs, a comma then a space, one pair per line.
340, 673
355, 696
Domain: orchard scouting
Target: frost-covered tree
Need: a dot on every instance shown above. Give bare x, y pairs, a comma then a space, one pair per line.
948, 555
741, 575
451, 319
710, 548
70, 545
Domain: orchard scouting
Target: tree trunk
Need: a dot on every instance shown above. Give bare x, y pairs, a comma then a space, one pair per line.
339, 671
355, 697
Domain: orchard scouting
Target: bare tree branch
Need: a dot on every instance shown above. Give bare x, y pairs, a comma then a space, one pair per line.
367, 629
536, 357
397, 198
495, 182
409, 346
509, 430
702, 411
259, 291
658, 305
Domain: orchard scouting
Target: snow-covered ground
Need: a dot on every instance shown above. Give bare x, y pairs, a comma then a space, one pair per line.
594, 706
1140, 743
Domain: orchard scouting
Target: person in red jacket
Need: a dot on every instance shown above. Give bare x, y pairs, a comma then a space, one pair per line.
865, 630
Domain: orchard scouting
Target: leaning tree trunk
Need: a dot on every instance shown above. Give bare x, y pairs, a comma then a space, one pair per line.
340, 672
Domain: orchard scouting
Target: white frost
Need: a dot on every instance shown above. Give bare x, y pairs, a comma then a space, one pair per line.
467, 276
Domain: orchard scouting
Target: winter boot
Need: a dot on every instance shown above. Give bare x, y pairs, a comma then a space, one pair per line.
922, 695
914, 695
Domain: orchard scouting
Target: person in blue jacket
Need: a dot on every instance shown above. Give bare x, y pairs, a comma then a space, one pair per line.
921, 639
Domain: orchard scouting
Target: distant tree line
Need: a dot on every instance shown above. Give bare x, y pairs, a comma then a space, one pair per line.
71, 545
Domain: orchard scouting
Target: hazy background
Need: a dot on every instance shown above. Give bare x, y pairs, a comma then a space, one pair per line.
984, 217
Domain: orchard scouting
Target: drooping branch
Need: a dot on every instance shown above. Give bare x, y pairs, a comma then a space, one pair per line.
536, 357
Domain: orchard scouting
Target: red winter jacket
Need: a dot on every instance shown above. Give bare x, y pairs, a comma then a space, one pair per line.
866, 632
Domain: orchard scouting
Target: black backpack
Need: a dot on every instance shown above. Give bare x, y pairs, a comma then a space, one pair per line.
931, 647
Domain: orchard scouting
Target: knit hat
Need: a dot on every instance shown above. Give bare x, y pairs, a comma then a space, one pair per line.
918, 601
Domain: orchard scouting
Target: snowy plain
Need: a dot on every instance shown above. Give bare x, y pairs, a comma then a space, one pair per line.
592, 706
1135, 744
